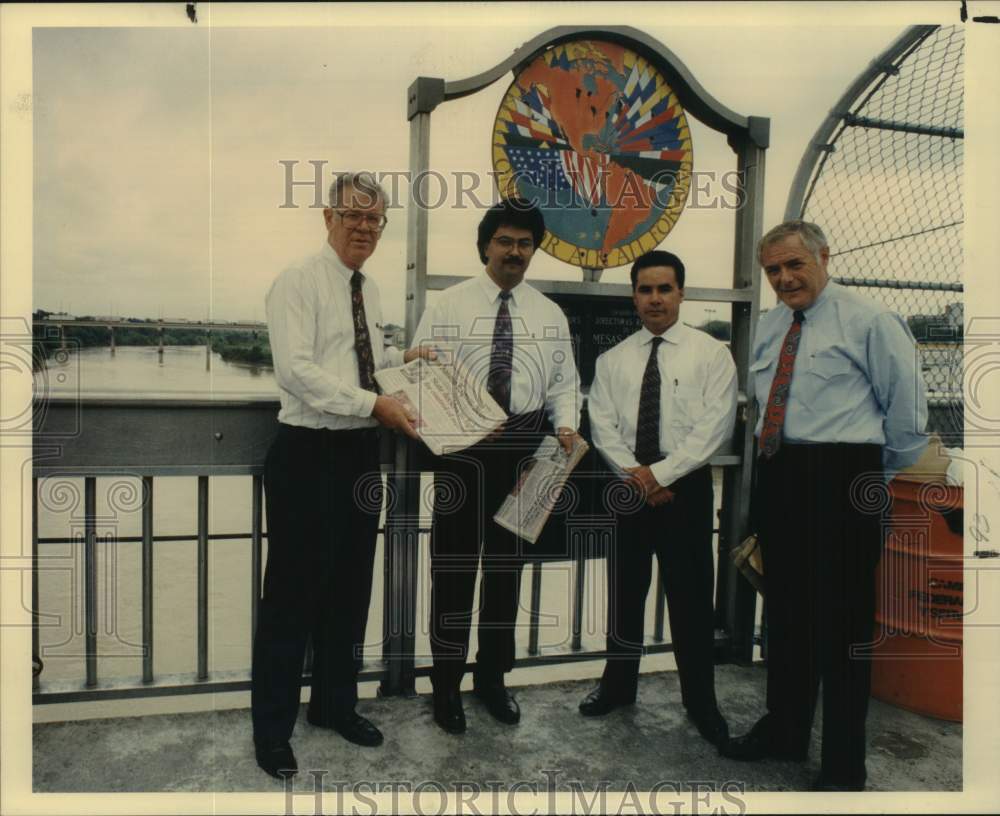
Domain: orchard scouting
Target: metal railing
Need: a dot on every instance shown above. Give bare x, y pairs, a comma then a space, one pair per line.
73, 438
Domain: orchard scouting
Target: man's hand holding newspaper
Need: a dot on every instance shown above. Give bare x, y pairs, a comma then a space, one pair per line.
451, 410
531, 501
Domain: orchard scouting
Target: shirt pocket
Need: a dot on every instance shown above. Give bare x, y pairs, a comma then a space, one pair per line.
334, 339
822, 372
686, 406
761, 374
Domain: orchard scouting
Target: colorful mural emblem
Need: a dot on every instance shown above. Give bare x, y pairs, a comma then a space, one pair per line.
592, 132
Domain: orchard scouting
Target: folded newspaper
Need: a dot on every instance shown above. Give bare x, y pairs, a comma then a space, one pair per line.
541, 483
747, 558
453, 410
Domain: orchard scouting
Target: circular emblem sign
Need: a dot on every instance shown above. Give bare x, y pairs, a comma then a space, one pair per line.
592, 132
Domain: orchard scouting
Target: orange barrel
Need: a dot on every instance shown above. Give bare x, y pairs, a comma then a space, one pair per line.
917, 657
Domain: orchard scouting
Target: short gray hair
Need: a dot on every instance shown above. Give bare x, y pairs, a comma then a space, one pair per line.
362, 182
812, 237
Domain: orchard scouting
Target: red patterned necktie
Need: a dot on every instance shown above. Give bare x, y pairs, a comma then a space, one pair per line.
647, 426
777, 399
501, 355
362, 340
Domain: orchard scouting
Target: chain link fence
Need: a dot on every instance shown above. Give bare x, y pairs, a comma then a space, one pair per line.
886, 186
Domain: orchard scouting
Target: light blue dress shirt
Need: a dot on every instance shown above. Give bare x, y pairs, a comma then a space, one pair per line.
856, 377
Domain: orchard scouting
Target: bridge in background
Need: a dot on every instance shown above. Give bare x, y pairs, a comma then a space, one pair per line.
161, 325
111, 323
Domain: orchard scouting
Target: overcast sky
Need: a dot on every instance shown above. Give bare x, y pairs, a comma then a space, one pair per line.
157, 178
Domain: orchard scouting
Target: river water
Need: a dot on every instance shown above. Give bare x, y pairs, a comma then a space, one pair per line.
139, 372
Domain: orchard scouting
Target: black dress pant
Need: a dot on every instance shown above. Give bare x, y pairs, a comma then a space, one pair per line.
818, 510
470, 486
323, 494
680, 533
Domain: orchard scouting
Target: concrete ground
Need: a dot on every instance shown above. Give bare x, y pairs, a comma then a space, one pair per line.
636, 747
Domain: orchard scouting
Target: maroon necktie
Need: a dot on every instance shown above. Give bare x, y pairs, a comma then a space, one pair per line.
777, 400
362, 340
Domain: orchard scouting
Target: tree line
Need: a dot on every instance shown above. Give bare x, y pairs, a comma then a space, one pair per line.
245, 347
47, 340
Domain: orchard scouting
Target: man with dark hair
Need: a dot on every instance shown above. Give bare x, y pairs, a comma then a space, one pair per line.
505, 331
842, 408
663, 401
321, 315
515, 213
658, 257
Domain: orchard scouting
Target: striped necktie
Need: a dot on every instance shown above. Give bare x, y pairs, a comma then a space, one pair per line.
777, 399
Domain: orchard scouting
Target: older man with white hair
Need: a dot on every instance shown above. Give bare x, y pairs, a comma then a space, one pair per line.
322, 522
843, 408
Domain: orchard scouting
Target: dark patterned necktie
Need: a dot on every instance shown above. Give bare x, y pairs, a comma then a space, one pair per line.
501, 355
647, 426
362, 340
777, 399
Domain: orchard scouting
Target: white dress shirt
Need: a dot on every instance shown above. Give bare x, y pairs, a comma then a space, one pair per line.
543, 370
311, 329
697, 400
856, 378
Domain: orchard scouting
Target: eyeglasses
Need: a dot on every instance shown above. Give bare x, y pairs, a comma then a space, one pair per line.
507, 243
353, 219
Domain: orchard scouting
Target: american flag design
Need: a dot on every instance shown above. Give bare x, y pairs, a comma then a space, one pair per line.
586, 173
541, 168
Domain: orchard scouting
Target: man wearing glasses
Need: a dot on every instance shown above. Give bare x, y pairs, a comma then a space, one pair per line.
504, 331
322, 479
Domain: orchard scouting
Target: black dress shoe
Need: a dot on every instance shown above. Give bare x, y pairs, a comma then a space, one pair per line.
600, 701
448, 711
829, 784
499, 702
711, 726
353, 728
758, 743
277, 760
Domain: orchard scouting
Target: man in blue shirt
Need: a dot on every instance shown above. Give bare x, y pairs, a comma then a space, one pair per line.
842, 409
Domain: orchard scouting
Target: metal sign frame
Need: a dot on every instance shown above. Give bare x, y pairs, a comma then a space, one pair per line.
818, 149
748, 136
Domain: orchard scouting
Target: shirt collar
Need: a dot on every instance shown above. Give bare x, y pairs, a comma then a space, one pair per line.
334, 259
492, 291
821, 298
816, 306
671, 335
